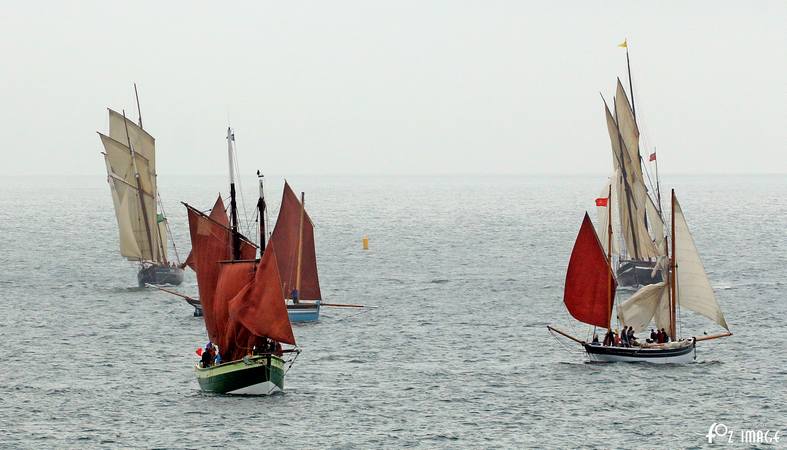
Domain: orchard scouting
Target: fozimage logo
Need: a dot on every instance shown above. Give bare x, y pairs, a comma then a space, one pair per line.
718, 432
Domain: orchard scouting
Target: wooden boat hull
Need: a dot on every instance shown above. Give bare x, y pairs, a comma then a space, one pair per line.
634, 273
304, 311
677, 353
257, 375
160, 275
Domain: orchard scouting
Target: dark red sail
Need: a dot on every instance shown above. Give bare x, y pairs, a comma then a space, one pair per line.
219, 214
285, 240
590, 285
260, 306
210, 244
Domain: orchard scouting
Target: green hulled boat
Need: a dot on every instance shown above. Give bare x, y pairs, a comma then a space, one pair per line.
256, 375
242, 303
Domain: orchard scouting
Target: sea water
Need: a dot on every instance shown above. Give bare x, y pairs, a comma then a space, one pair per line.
463, 275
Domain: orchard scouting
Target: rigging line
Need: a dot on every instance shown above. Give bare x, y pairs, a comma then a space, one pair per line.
166, 223
240, 184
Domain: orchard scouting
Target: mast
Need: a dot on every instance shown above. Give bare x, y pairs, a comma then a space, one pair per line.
233, 205
674, 280
609, 252
626, 186
631, 85
139, 188
139, 111
162, 241
300, 246
658, 184
262, 208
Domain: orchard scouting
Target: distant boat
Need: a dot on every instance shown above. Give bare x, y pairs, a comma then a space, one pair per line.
293, 239
130, 155
590, 293
640, 224
242, 303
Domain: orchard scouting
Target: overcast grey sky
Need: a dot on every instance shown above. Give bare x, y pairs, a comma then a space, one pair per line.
401, 87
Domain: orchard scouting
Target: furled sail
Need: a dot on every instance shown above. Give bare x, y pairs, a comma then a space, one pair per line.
285, 239
134, 199
693, 287
242, 300
590, 284
639, 309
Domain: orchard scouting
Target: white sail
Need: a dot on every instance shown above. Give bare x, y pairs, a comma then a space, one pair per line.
639, 309
632, 197
694, 291
134, 199
629, 132
143, 143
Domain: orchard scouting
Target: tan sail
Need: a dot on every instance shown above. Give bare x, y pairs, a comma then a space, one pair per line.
632, 197
693, 287
143, 143
641, 308
134, 197
629, 131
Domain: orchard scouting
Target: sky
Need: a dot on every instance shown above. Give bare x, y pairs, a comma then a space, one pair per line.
397, 87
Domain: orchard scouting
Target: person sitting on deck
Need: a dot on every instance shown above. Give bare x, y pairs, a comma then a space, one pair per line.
206, 357
666, 336
294, 295
595, 339
624, 337
653, 337
616, 338
632, 338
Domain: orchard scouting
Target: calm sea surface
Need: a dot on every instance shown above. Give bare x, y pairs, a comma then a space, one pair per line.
465, 274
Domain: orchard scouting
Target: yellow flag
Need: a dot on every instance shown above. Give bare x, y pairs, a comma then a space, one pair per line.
624, 44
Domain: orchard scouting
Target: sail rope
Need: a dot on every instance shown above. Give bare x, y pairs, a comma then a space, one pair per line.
242, 197
166, 224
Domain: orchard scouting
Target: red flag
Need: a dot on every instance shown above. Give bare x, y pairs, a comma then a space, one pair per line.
652, 156
602, 201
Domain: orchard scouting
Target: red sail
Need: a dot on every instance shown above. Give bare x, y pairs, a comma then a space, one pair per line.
234, 277
219, 214
587, 291
210, 244
260, 307
285, 242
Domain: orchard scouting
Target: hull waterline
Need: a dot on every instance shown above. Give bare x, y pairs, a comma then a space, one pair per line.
676, 353
633, 273
160, 275
304, 311
256, 375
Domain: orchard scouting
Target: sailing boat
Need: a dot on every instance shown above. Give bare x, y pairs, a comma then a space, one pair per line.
293, 237
590, 293
639, 213
130, 155
242, 303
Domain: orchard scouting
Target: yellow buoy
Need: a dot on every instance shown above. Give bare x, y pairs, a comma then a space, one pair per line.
365, 242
